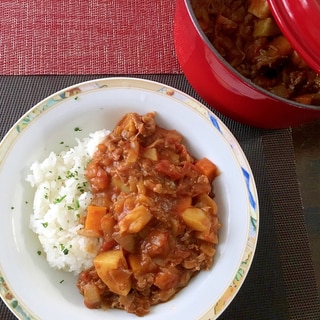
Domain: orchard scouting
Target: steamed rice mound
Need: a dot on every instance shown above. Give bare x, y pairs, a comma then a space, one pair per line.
61, 197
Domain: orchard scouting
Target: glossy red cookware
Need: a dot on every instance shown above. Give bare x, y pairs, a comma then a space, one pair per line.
223, 87
301, 27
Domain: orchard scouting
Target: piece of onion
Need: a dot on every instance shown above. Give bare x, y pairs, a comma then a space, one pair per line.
92, 298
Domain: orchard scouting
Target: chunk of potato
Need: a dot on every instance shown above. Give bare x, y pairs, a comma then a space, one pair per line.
266, 28
111, 267
135, 220
141, 266
150, 153
259, 8
196, 219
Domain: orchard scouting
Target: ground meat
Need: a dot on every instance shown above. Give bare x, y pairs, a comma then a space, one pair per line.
160, 225
246, 35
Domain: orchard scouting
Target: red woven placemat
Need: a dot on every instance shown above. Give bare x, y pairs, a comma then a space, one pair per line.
87, 37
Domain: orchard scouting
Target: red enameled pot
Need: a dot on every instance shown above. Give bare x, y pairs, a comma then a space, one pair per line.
223, 87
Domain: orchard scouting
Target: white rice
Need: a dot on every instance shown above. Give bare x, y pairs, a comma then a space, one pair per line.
61, 197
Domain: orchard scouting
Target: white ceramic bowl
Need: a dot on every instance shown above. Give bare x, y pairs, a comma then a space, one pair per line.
30, 288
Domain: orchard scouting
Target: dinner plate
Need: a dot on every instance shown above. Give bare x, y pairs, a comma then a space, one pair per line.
33, 290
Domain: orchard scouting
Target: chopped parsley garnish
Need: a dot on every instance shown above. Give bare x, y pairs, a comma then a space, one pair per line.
59, 200
77, 204
81, 186
39, 253
45, 224
77, 129
64, 249
75, 207
70, 174
61, 281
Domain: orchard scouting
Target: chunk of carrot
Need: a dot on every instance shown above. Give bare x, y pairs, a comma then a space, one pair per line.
94, 216
208, 168
182, 204
305, 99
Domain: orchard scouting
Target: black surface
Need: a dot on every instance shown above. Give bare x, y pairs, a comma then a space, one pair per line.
281, 282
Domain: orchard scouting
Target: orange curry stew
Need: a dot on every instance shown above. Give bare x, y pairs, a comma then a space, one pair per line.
153, 208
247, 36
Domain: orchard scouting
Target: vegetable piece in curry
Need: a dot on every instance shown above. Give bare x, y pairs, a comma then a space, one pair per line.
154, 210
245, 33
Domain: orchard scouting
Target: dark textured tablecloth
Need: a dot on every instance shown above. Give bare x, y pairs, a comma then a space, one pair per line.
281, 282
